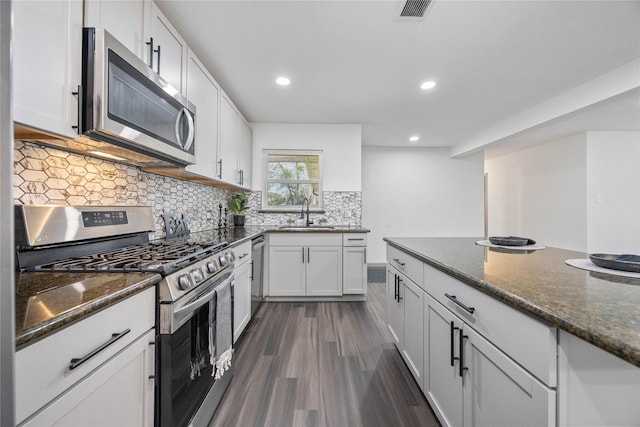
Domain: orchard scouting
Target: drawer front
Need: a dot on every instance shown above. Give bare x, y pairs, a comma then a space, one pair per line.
354, 239
306, 239
42, 370
530, 342
242, 253
406, 264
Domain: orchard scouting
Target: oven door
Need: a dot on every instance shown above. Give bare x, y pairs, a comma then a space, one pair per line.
184, 368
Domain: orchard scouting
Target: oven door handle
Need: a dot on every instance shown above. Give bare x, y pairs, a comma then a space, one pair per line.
193, 306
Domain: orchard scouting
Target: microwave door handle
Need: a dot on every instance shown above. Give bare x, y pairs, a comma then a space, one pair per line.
192, 129
189, 140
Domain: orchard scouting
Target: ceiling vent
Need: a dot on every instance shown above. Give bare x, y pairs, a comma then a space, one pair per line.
413, 10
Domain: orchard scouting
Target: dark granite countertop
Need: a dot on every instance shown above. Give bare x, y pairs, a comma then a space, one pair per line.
599, 308
46, 302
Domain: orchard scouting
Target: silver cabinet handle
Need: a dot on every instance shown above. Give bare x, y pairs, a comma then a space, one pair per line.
398, 261
365, 256
243, 255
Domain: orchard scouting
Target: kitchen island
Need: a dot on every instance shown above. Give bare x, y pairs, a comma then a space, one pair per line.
602, 309
481, 328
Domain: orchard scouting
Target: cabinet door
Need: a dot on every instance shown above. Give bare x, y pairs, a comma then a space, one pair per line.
492, 379
244, 154
118, 393
229, 124
170, 61
354, 277
241, 299
395, 308
324, 270
47, 64
413, 328
122, 19
203, 92
443, 384
286, 271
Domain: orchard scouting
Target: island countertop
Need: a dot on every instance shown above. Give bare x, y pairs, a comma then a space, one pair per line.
602, 309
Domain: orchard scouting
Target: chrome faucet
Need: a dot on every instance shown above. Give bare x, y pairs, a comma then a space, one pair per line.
307, 201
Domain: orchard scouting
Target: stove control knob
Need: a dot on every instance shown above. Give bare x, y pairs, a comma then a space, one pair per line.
231, 257
196, 275
211, 267
223, 260
184, 282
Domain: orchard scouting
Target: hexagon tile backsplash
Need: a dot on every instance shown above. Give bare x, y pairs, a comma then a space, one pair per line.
49, 176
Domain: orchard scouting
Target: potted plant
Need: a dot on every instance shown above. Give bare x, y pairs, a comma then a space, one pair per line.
238, 204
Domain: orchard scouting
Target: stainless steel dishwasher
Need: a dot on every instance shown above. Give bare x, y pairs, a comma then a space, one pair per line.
257, 272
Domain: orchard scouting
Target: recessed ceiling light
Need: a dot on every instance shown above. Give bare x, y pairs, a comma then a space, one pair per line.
414, 138
428, 85
283, 81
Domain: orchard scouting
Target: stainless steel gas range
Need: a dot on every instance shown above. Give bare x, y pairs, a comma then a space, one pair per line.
195, 297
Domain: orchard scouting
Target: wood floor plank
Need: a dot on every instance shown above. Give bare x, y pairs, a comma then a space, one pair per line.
322, 364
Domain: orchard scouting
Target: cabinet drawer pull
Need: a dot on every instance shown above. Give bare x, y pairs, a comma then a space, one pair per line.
348, 238
243, 255
461, 366
453, 329
365, 256
79, 361
453, 298
398, 261
150, 44
79, 95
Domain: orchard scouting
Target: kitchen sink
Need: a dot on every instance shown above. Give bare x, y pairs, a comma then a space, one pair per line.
309, 228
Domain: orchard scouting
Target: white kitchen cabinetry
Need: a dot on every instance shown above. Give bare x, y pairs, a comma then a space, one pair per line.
245, 135
595, 388
354, 277
106, 357
203, 92
47, 64
405, 311
301, 264
169, 50
125, 20
234, 160
469, 382
241, 289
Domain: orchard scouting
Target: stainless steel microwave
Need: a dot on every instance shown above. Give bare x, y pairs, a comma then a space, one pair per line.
126, 104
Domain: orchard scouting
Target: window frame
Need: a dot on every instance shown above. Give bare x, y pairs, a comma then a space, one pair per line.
266, 181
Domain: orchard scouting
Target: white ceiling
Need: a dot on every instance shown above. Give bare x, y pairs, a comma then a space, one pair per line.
355, 62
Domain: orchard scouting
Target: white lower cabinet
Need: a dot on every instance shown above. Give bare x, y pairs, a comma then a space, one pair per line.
99, 371
469, 382
354, 255
241, 289
405, 320
119, 393
305, 265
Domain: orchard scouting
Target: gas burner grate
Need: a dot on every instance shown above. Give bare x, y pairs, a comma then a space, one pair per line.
158, 257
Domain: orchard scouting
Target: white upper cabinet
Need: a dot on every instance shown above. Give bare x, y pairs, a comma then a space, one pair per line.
125, 20
47, 64
244, 153
169, 50
229, 125
203, 92
234, 161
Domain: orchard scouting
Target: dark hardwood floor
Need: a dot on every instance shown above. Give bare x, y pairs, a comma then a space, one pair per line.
322, 364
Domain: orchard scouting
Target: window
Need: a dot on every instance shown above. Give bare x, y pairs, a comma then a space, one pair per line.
292, 177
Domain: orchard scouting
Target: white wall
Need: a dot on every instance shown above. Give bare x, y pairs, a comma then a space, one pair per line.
540, 193
419, 192
341, 146
613, 192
